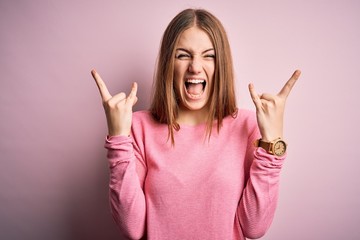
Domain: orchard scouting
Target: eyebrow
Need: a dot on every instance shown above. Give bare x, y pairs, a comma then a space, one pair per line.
185, 50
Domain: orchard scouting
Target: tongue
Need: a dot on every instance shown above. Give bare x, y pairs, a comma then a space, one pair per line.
195, 89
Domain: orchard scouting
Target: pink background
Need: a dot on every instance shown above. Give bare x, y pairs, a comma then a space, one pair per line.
53, 171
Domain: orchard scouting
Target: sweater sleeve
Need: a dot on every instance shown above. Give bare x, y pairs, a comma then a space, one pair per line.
127, 173
259, 199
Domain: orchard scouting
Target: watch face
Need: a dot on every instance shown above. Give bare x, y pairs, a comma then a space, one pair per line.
279, 148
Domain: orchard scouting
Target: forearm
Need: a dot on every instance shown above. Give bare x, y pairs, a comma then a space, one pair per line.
127, 198
258, 203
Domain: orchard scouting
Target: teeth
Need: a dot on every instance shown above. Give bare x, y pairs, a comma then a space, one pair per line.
195, 81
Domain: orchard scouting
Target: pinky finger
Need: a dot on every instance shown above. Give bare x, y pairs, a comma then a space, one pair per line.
132, 98
135, 100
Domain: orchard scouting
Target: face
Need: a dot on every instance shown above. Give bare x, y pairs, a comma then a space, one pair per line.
194, 69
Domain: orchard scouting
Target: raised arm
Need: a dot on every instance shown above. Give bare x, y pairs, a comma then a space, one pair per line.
259, 199
127, 169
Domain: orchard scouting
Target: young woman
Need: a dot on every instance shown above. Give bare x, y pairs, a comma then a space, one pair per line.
188, 168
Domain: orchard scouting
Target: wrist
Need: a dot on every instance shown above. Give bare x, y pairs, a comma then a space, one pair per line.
118, 133
271, 137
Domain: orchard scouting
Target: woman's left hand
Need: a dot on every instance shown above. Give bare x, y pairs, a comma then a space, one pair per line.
270, 109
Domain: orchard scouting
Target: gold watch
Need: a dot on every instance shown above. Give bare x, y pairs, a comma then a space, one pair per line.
276, 147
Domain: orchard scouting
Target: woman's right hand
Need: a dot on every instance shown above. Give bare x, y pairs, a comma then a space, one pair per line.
118, 108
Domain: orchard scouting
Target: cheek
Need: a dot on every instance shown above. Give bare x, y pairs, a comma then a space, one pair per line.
179, 71
210, 69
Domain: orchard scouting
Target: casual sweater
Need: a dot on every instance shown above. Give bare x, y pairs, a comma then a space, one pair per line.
220, 187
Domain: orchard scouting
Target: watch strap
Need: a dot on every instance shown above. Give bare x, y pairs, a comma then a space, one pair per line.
265, 145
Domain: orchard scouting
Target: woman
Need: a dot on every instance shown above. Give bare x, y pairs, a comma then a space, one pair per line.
188, 168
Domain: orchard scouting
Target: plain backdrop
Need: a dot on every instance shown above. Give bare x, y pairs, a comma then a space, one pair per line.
53, 169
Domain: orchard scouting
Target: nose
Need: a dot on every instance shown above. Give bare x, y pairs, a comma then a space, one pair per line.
195, 66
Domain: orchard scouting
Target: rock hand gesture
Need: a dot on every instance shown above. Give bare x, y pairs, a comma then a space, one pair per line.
118, 108
270, 109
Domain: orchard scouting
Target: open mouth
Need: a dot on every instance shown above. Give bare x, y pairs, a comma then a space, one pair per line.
195, 87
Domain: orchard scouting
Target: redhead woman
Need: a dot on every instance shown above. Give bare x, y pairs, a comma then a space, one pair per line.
194, 166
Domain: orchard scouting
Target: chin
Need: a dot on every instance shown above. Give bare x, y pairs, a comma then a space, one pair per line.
194, 106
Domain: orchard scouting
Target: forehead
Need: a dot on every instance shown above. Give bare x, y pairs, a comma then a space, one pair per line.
194, 39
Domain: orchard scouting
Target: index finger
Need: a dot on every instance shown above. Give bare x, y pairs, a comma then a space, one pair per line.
285, 91
104, 92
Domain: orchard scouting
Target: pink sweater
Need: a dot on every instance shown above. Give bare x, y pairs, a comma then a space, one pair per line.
218, 189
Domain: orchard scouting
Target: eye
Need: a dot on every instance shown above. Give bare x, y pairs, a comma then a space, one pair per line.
210, 56
182, 56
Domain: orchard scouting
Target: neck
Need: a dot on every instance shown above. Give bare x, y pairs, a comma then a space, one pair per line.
192, 117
